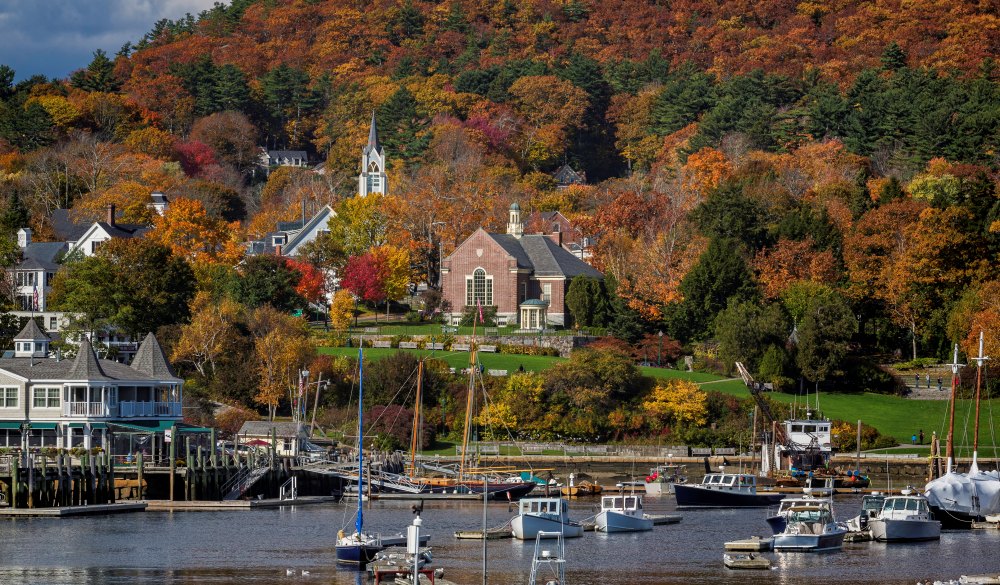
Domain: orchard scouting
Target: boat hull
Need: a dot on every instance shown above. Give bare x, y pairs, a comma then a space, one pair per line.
695, 496
610, 521
659, 488
357, 555
905, 530
777, 523
952, 520
527, 527
829, 541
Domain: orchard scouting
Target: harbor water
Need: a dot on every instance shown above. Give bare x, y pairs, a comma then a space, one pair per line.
262, 546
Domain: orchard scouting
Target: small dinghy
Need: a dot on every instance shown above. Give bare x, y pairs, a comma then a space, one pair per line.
745, 561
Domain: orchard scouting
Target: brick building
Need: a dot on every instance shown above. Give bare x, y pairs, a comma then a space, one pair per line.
524, 276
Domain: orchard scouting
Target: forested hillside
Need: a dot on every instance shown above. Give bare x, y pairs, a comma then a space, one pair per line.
754, 168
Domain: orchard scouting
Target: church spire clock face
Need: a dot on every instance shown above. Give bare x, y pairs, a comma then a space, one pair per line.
372, 178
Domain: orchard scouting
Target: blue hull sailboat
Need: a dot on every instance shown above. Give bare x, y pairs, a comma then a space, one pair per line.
359, 548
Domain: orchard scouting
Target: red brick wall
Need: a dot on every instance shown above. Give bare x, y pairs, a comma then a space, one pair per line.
494, 260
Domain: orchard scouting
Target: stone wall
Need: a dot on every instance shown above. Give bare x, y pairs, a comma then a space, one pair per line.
564, 344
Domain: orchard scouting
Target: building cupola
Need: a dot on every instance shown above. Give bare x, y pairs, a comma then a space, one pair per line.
372, 178
514, 225
31, 342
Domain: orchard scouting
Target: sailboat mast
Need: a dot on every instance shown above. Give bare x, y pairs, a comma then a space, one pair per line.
979, 382
469, 397
950, 449
359, 524
414, 442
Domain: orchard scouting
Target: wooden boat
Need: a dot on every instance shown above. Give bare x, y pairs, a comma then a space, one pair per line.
905, 518
724, 490
810, 528
359, 548
745, 561
584, 488
544, 515
622, 514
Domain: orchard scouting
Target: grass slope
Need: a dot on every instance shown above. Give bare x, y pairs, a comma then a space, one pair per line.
891, 415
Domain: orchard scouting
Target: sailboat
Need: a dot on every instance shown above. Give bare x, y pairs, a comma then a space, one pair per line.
959, 499
359, 548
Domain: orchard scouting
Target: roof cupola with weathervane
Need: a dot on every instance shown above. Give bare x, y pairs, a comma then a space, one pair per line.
31, 342
514, 225
372, 178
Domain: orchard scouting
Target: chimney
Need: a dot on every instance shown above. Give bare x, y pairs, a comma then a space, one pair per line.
277, 250
556, 237
111, 214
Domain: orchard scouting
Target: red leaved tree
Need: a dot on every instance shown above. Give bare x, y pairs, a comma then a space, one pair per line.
365, 277
312, 283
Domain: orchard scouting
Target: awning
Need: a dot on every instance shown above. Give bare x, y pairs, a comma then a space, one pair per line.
44, 426
186, 428
9, 425
153, 426
93, 426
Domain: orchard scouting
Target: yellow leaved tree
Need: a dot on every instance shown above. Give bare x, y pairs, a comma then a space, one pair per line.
680, 401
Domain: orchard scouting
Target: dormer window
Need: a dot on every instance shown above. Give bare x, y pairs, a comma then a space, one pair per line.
280, 240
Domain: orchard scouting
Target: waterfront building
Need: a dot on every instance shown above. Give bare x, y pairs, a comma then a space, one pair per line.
47, 400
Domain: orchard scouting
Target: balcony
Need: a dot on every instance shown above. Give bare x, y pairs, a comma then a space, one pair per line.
86, 409
134, 409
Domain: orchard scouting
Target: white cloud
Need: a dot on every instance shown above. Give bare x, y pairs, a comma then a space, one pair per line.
56, 37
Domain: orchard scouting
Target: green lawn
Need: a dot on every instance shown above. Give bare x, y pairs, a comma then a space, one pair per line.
460, 359
891, 415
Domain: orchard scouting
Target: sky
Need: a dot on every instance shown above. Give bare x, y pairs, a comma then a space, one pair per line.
56, 37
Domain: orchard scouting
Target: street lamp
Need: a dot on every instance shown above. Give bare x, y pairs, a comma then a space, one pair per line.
659, 350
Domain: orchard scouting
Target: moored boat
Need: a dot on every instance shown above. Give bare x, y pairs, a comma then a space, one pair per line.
661, 479
544, 515
905, 518
724, 490
778, 520
810, 528
622, 514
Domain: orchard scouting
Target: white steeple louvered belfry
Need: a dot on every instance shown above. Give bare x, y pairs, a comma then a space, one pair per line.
372, 178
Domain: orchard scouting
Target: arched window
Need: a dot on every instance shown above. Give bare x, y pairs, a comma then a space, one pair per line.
479, 287
373, 167
374, 179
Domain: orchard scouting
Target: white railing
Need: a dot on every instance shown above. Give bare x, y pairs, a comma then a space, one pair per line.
85, 409
127, 409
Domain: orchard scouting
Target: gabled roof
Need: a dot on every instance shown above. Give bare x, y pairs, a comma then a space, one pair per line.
65, 228
31, 332
544, 257
565, 175
262, 428
151, 360
322, 217
86, 366
123, 230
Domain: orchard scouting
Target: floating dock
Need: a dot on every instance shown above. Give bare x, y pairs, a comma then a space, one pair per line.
238, 504
746, 562
863, 536
988, 525
752, 544
991, 579
491, 534
65, 511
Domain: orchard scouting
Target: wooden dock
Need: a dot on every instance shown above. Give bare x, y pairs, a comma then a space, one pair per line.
238, 504
66, 511
752, 544
863, 536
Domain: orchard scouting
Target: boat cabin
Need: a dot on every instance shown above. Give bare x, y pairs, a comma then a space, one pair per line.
555, 508
622, 503
733, 482
787, 504
809, 515
904, 506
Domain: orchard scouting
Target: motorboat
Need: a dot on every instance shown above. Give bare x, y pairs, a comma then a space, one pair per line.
810, 528
724, 490
871, 507
778, 520
544, 515
584, 488
622, 514
905, 518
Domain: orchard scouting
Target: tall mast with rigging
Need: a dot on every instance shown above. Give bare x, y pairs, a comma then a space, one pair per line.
979, 382
950, 452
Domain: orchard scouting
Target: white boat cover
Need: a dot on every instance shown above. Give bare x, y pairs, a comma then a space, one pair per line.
959, 492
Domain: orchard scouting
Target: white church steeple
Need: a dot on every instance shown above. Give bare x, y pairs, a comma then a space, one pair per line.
372, 178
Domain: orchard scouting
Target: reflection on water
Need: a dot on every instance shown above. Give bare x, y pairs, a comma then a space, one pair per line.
261, 546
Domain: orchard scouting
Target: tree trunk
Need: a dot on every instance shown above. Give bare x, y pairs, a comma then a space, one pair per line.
913, 338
